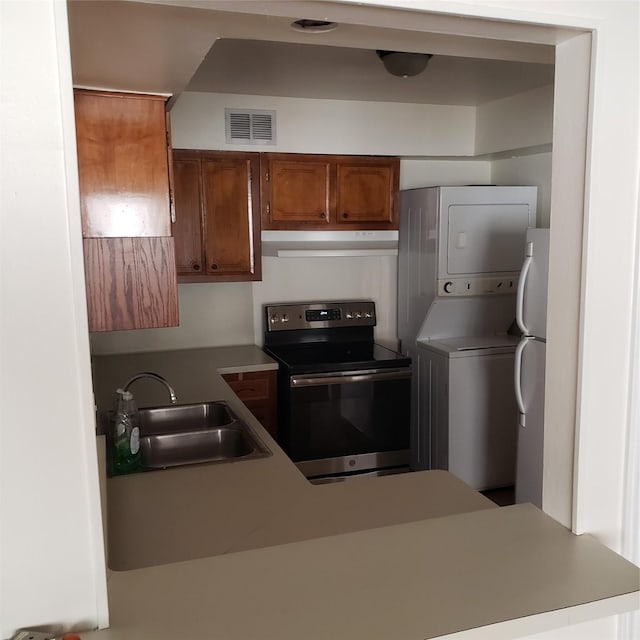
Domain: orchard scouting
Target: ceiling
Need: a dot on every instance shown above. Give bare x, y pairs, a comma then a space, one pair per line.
315, 71
169, 46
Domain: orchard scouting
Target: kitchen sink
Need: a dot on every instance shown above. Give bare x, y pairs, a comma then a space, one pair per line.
186, 434
185, 417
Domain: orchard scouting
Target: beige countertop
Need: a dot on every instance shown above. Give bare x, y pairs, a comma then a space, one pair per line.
252, 550
411, 581
205, 510
210, 509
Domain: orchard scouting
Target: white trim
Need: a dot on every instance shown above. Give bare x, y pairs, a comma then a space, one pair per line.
82, 353
629, 624
550, 620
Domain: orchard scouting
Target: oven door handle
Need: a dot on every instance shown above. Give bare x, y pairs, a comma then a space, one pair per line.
374, 375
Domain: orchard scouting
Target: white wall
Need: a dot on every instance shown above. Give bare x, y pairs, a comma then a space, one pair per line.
51, 548
302, 279
329, 126
520, 121
416, 172
533, 170
611, 208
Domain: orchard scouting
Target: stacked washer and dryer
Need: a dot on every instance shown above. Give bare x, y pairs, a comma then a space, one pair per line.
460, 253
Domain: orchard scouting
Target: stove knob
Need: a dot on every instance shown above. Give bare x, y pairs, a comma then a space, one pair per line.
275, 318
358, 314
285, 318
368, 314
349, 315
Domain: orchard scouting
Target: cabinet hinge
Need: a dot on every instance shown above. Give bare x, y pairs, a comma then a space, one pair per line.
172, 206
266, 176
268, 208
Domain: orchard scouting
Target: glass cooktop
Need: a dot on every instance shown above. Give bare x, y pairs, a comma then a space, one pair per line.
324, 357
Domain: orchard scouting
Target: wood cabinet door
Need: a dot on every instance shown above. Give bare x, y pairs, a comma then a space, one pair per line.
231, 215
131, 283
187, 230
367, 192
123, 165
259, 392
296, 190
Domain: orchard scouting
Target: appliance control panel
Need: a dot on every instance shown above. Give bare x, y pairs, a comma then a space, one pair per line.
320, 315
477, 286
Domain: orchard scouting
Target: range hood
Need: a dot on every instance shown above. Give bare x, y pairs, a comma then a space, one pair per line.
312, 244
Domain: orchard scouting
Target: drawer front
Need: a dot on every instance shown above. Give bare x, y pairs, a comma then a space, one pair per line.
250, 388
257, 389
252, 385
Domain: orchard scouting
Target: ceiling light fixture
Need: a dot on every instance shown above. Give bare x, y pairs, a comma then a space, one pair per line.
403, 64
314, 26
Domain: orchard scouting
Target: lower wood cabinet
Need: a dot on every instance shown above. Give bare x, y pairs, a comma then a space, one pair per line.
217, 204
131, 283
258, 391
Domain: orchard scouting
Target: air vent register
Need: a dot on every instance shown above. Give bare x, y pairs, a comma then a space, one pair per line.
250, 126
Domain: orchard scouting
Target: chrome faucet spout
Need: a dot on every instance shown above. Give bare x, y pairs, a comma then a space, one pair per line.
153, 376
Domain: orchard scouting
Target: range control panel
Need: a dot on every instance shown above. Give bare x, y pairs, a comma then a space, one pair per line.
477, 286
320, 315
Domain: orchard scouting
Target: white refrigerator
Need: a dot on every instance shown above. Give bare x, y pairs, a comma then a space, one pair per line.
529, 368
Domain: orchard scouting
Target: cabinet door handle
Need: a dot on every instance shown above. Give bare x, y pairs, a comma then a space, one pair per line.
214, 266
345, 215
323, 215
196, 267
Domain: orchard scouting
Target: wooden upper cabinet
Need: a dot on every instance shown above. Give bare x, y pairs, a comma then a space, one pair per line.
296, 190
329, 192
217, 230
187, 230
124, 179
131, 283
123, 164
367, 192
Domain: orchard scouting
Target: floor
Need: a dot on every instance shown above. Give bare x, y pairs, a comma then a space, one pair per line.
502, 497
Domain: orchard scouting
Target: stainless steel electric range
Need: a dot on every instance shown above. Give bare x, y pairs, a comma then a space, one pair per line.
344, 401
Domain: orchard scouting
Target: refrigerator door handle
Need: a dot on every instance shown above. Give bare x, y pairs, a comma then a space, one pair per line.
517, 379
521, 287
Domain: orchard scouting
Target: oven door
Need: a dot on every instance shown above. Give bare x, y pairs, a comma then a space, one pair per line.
349, 421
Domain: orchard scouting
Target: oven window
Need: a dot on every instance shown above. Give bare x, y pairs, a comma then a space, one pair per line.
348, 418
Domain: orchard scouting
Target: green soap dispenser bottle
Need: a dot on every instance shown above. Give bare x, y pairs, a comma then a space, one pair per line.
126, 435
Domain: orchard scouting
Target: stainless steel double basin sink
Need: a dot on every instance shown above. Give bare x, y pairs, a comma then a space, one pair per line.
187, 434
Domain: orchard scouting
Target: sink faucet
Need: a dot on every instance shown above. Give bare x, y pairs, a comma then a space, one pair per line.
153, 376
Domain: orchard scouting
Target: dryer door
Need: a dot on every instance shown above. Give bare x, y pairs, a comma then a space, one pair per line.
486, 238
